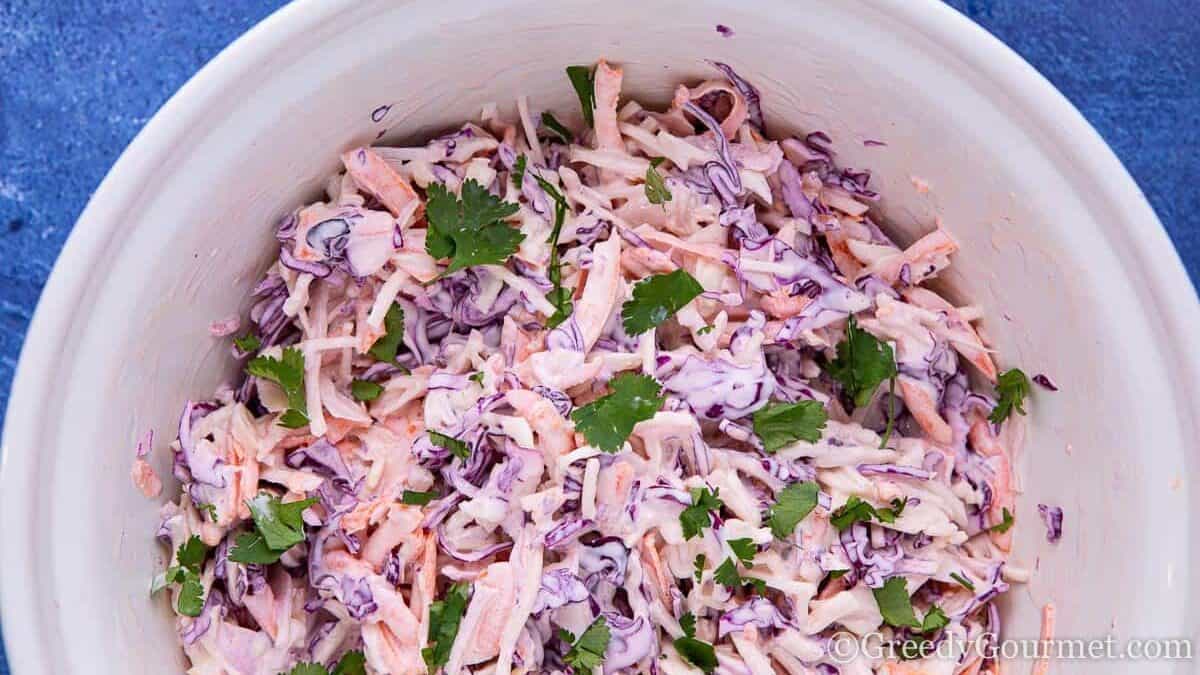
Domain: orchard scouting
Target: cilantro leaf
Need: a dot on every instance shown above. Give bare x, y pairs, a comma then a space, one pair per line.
293, 419
558, 296
518, 171
696, 517
469, 231
935, 619
445, 615
862, 363
191, 553
698, 653
351, 663
745, 549
894, 604
727, 575
705, 330
191, 595
551, 124
308, 669
588, 652
280, 524
251, 548
780, 424
566, 636
889, 515
853, 511
656, 187
248, 342
288, 373
387, 345
963, 581
415, 498
607, 422
657, 298
456, 447
794, 504
190, 556
699, 563
1013, 387
583, 80
1005, 523
688, 623
365, 390
210, 509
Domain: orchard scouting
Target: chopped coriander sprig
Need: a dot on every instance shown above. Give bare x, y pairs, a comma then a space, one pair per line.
856, 510
864, 362
588, 652
696, 517
607, 422
657, 298
656, 187
1013, 387
456, 447
278, 526
288, 373
558, 296
696, 652
551, 124
1006, 522
352, 663
780, 424
189, 560
794, 504
388, 344
469, 231
365, 390
445, 615
727, 575
584, 81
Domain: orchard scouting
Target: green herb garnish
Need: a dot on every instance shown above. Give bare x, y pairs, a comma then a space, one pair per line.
456, 447
656, 187
415, 498
1005, 523
778, 425
551, 124
696, 652
445, 615
469, 231
657, 298
558, 296
1013, 387
388, 344
588, 653
277, 527
696, 517
795, 502
365, 390
607, 422
288, 373
584, 82
248, 342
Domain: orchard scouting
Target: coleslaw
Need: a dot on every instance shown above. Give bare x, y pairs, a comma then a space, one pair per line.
649, 392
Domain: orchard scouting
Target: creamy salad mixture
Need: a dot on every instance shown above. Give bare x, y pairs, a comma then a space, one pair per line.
650, 392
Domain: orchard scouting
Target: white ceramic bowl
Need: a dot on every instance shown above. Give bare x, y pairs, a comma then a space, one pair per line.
1077, 276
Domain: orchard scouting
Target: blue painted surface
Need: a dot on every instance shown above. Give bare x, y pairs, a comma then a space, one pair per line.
81, 77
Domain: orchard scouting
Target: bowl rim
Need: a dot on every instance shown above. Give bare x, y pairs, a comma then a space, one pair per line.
24, 612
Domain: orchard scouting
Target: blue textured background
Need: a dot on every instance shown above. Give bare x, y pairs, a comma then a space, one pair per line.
78, 78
